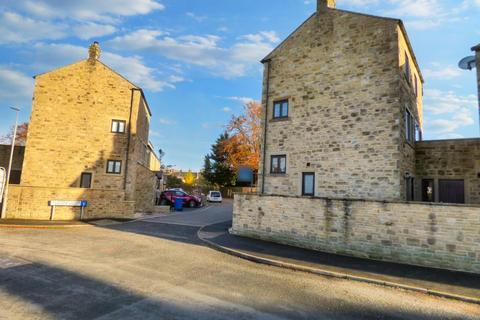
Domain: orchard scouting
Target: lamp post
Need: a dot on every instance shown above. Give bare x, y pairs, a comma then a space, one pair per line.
471, 62
10, 163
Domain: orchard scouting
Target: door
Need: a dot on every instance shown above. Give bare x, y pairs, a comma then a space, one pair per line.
451, 191
308, 184
428, 190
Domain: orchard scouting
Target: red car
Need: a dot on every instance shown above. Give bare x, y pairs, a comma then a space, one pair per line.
169, 196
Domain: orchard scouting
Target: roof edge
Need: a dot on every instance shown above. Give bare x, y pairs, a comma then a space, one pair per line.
267, 58
398, 21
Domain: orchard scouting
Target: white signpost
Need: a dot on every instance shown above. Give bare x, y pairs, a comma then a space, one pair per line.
67, 203
3, 177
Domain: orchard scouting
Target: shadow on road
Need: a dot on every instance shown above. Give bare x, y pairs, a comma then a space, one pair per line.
461, 283
39, 291
185, 234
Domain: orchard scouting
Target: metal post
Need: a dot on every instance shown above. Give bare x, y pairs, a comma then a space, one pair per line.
10, 163
476, 49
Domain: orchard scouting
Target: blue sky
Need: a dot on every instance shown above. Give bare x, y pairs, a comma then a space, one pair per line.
198, 60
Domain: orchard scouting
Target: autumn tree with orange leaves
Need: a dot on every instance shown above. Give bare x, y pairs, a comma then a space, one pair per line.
21, 139
244, 131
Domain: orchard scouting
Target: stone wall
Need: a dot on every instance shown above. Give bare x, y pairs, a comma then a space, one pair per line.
70, 133
145, 190
433, 235
32, 203
450, 159
342, 76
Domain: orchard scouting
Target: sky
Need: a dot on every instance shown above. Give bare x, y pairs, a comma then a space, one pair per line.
198, 61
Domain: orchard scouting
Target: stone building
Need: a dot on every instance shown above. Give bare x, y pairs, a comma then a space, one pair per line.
343, 167
343, 113
88, 139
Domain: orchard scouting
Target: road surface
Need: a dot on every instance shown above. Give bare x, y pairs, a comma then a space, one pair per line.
158, 269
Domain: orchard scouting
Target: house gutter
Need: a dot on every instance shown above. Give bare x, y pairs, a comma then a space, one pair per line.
129, 138
267, 98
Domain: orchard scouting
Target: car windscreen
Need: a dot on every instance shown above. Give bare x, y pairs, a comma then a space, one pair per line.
216, 194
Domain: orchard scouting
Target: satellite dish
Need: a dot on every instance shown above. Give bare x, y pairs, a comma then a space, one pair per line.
467, 63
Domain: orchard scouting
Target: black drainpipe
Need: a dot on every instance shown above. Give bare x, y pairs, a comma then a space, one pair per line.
128, 140
267, 96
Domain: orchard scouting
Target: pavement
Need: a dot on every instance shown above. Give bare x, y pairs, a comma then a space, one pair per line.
451, 284
159, 269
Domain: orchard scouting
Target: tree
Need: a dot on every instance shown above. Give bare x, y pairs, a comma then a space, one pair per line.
189, 178
243, 145
173, 182
217, 170
21, 139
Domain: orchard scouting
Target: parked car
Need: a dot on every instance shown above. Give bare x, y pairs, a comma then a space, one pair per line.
214, 196
168, 197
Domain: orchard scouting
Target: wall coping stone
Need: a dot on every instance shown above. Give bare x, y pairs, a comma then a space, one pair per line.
431, 204
449, 140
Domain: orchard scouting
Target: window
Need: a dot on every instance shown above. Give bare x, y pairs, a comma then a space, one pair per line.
408, 125
428, 190
412, 128
278, 164
308, 184
418, 133
114, 166
86, 180
416, 86
280, 109
118, 126
407, 66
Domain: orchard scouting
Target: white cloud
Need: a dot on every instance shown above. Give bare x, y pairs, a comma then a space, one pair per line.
15, 28
133, 68
441, 102
442, 72
427, 14
226, 109
445, 128
26, 21
416, 8
16, 86
242, 100
447, 112
166, 121
196, 17
92, 10
204, 51
359, 3
90, 30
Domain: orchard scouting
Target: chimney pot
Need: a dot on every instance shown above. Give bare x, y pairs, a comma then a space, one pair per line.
323, 4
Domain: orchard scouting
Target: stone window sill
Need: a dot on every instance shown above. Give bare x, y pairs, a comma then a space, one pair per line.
277, 175
279, 119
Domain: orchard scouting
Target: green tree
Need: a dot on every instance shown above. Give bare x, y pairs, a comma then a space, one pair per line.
173, 182
217, 171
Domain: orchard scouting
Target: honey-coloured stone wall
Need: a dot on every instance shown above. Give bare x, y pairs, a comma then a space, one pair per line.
432, 235
344, 79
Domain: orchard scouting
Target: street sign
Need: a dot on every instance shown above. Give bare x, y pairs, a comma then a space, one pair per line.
245, 174
3, 177
62, 203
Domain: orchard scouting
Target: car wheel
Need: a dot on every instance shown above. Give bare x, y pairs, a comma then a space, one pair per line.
192, 204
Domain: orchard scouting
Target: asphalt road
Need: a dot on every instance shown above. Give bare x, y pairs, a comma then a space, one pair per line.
158, 269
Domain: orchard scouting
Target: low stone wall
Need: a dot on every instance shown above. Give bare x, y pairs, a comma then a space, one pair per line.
433, 235
26, 202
